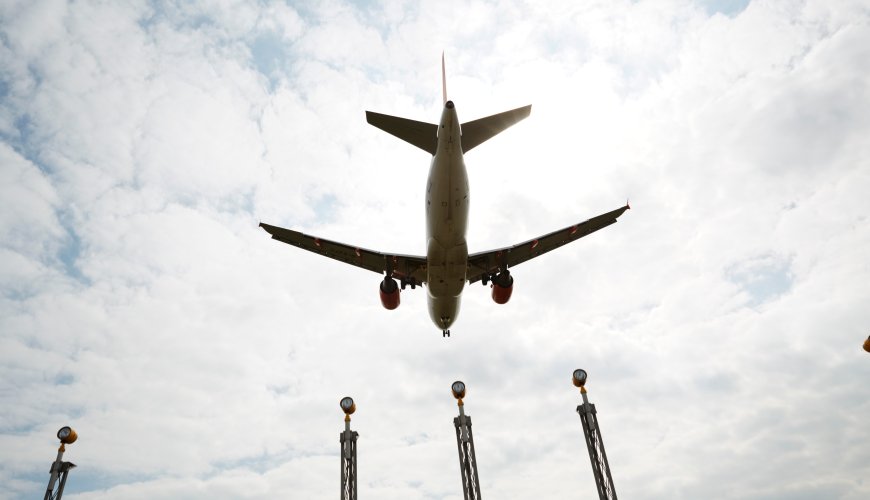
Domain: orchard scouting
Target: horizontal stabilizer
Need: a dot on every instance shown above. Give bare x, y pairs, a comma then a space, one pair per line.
421, 134
476, 132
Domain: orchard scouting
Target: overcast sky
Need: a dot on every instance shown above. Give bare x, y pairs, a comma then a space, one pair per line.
721, 320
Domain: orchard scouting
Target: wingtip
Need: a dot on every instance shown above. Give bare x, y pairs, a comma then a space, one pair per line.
627, 204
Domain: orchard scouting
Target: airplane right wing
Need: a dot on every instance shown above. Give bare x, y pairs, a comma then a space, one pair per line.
488, 263
397, 266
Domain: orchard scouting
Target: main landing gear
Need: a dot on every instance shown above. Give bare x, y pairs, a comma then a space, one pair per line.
409, 281
445, 333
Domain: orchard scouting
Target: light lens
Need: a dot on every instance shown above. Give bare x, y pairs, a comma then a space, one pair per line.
458, 389
347, 405
579, 377
63, 433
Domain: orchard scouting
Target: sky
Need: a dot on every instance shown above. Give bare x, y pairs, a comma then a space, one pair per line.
720, 320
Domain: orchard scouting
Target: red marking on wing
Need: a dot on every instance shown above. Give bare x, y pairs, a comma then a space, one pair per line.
357, 252
534, 244
317, 242
573, 229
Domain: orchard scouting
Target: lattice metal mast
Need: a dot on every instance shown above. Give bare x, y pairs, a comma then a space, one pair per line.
465, 443
348, 452
594, 443
59, 468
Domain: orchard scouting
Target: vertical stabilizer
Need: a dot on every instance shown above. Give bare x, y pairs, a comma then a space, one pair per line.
443, 80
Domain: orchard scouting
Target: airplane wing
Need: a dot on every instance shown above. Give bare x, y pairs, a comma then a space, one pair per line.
487, 263
399, 266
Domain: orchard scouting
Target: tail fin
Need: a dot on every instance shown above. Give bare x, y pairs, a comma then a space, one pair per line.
425, 135
478, 131
443, 80
421, 134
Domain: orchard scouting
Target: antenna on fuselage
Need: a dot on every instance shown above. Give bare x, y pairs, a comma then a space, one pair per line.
443, 80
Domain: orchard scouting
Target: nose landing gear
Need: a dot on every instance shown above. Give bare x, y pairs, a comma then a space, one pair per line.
445, 333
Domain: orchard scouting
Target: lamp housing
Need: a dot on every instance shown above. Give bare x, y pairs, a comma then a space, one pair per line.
67, 435
347, 405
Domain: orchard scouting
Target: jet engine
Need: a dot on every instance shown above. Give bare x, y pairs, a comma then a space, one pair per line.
502, 287
390, 293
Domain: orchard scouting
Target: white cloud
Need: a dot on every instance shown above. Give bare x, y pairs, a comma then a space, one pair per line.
720, 320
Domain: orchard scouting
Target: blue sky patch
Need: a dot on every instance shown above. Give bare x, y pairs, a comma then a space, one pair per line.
269, 56
325, 207
730, 8
763, 278
63, 379
71, 250
22, 142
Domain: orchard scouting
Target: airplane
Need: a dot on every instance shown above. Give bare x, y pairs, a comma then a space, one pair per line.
447, 265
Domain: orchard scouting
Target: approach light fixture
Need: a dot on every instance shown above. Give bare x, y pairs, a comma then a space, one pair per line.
347, 405
458, 389
67, 435
579, 377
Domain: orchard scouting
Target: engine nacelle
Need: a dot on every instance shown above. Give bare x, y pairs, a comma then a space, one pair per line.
390, 293
502, 287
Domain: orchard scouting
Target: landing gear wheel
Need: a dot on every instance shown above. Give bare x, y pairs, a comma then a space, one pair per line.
445, 333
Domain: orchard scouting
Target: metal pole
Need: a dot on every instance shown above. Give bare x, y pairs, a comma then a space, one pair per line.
465, 445
348, 453
65, 467
59, 469
594, 442
55, 471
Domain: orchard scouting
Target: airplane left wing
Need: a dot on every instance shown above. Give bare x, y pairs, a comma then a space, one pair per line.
398, 266
488, 263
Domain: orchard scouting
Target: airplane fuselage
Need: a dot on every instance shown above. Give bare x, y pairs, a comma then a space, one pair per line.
447, 199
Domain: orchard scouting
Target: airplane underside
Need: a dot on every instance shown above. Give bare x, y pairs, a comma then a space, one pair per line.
443, 312
447, 265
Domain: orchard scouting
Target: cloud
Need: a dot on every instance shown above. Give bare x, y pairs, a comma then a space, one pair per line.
720, 320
